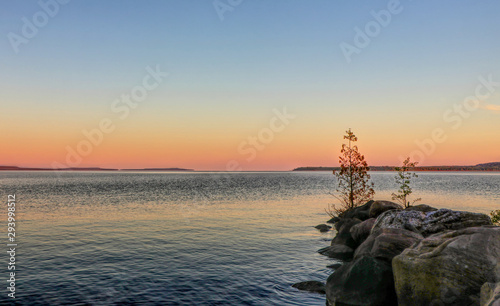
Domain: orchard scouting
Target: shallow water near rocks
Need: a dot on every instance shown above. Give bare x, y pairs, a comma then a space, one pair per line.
105, 238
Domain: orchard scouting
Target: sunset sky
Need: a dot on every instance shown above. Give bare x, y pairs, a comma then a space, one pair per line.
275, 71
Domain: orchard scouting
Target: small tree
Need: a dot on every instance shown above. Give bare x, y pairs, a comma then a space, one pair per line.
354, 187
403, 179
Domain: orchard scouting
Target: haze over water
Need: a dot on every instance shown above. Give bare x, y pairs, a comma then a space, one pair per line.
191, 238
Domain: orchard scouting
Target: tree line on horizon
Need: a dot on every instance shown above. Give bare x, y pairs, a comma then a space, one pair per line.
480, 167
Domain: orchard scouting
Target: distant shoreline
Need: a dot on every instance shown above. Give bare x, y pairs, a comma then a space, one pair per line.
15, 168
488, 167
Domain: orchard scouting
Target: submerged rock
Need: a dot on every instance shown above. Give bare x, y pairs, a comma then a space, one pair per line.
448, 268
311, 286
379, 207
323, 228
431, 222
365, 281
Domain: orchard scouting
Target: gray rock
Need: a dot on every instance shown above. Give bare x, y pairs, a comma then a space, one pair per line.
422, 208
344, 233
379, 207
490, 294
445, 219
323, 228
431, 222
448, 268
311, 286
365, 281
361, 231
386, 243
409, 220
337, 251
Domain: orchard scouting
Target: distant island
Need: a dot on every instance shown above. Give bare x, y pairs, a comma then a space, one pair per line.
158, 169
480, 167
15, 168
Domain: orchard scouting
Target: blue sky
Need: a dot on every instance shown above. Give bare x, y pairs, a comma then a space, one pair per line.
264, 54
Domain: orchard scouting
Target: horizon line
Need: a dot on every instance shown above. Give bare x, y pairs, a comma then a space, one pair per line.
301, 168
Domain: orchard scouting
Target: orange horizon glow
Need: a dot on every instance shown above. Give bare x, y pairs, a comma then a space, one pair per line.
147, 141
286, 152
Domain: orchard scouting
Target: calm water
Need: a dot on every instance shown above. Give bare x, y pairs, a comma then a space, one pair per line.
188, 238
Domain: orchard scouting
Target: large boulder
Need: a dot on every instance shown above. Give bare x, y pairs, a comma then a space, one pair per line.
361, 212
386, 243
446, 219
448, 268
365, 281
311, 286
344, 234
490, 294
428, 223
379, 207
368, 279
422, 208
361, 231
409, 220
337, 251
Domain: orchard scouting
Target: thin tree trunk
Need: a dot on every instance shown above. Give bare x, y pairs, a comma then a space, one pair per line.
351, 193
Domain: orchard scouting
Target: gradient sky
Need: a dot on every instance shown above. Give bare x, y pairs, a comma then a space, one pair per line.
228, 77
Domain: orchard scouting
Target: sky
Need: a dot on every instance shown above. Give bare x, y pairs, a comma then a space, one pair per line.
247, 84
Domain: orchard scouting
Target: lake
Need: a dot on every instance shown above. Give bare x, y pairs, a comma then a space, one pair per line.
118, 238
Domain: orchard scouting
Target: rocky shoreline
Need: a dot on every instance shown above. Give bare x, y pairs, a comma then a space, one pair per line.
414, 256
